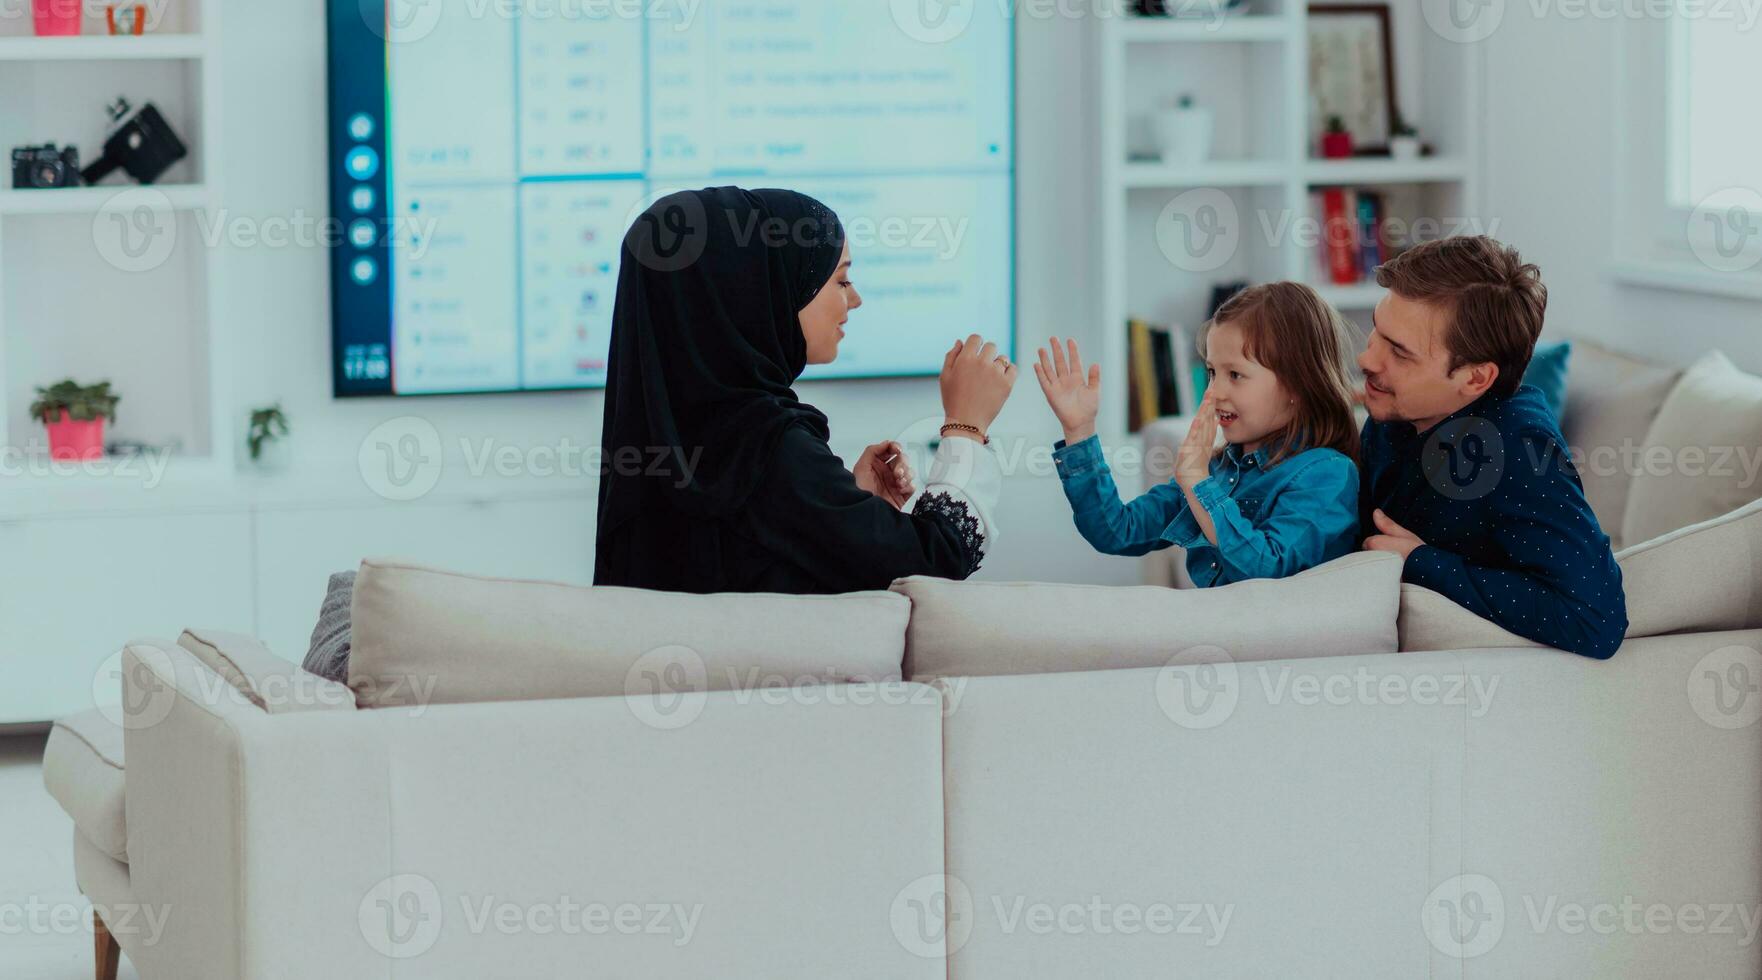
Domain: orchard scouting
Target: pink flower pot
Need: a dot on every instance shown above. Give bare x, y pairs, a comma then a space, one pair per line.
1336, 146
56, 18
75, 439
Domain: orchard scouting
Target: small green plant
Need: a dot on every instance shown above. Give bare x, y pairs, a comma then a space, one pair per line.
1184, 102
82, 403
1403, 127
1336, 124
267, 425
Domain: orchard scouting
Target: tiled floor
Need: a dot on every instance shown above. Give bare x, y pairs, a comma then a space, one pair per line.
45, 923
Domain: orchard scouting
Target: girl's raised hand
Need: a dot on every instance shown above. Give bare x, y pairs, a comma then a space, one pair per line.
1075, 397
1193, 462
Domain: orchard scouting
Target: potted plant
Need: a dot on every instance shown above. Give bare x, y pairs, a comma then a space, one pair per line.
1404, 141
1184, 130
1336, 143
74, 414
268, 426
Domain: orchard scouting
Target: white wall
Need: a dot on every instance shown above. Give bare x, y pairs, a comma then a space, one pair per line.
275, 159
1552, 187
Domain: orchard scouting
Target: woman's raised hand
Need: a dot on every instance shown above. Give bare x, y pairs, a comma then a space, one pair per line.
976, 381
1075, 397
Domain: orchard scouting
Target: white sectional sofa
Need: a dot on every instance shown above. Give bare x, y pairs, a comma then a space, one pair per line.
921, 784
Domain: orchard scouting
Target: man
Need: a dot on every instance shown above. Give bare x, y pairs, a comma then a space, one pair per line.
1466, 475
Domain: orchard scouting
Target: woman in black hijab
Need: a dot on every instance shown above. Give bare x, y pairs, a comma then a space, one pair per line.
716, 477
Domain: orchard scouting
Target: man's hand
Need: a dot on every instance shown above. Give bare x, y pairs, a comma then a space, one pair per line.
1393, 538
1193, 461
884, 471
1075, 395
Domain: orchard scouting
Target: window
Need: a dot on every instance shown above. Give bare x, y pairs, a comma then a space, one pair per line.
1689, 156
1715, 146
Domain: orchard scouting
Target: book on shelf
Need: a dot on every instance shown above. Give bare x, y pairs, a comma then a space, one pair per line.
1370, 219
1164, 374
1340, 236
1355, 233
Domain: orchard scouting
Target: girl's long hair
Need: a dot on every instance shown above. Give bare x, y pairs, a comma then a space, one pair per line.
1291, 331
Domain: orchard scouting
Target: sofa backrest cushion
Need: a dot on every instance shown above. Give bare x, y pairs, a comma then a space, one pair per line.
1347, 606
1432, 621
1700, 456
423, 636
1611, 402
1700, 579
1704, 578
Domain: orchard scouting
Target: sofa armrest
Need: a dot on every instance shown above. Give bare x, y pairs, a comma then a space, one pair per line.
183, 788
276, 685
347, 844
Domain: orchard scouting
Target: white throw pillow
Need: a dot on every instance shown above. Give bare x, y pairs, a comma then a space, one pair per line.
1611, 402
1701, 579
423, 636
1345, 607
1700, 456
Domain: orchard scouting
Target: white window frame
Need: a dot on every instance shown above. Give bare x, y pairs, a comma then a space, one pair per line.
1657, 236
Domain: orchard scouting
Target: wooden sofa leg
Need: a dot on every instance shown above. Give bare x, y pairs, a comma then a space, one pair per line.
108, 953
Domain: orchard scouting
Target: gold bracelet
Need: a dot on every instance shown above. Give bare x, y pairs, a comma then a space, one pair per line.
963, 427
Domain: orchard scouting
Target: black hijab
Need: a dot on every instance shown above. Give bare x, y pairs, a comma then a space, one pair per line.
705, 345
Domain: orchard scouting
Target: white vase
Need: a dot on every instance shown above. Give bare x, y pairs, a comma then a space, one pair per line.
1184, 135
1404, 148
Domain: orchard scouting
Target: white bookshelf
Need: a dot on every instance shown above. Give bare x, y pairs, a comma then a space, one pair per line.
66, 307
184, 47
1251, 69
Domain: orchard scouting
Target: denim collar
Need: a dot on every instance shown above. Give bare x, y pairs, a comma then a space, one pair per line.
1257, 459
1234, 454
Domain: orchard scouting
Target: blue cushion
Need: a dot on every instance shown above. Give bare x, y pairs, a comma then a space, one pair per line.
1547, 371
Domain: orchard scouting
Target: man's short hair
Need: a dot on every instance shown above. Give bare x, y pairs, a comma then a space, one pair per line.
1496, 300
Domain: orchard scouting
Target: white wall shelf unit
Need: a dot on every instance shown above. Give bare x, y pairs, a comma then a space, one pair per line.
1252, 70
83, 293
165, 47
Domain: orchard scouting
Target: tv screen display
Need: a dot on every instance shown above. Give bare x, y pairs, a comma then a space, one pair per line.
487, 156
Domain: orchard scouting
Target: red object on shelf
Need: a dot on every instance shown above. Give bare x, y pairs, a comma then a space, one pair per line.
1336, 146
56, 18
133, 20
1339, 231
75, 438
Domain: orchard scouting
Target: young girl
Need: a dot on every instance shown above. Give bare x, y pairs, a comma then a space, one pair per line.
1281, 496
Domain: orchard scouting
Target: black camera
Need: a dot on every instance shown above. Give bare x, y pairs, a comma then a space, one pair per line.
45, 166
144, 146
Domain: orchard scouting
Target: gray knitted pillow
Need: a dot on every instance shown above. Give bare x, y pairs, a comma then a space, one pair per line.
328, 656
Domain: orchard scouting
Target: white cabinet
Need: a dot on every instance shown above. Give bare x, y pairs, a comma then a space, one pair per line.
72, 591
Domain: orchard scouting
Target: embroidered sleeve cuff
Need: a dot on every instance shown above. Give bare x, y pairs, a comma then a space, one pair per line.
965, 476
957, 513
1084, 457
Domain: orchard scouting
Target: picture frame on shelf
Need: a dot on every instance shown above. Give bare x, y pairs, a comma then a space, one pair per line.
1352, 75
1188, 9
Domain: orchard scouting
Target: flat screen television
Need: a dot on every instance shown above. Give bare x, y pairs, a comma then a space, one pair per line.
487, 156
